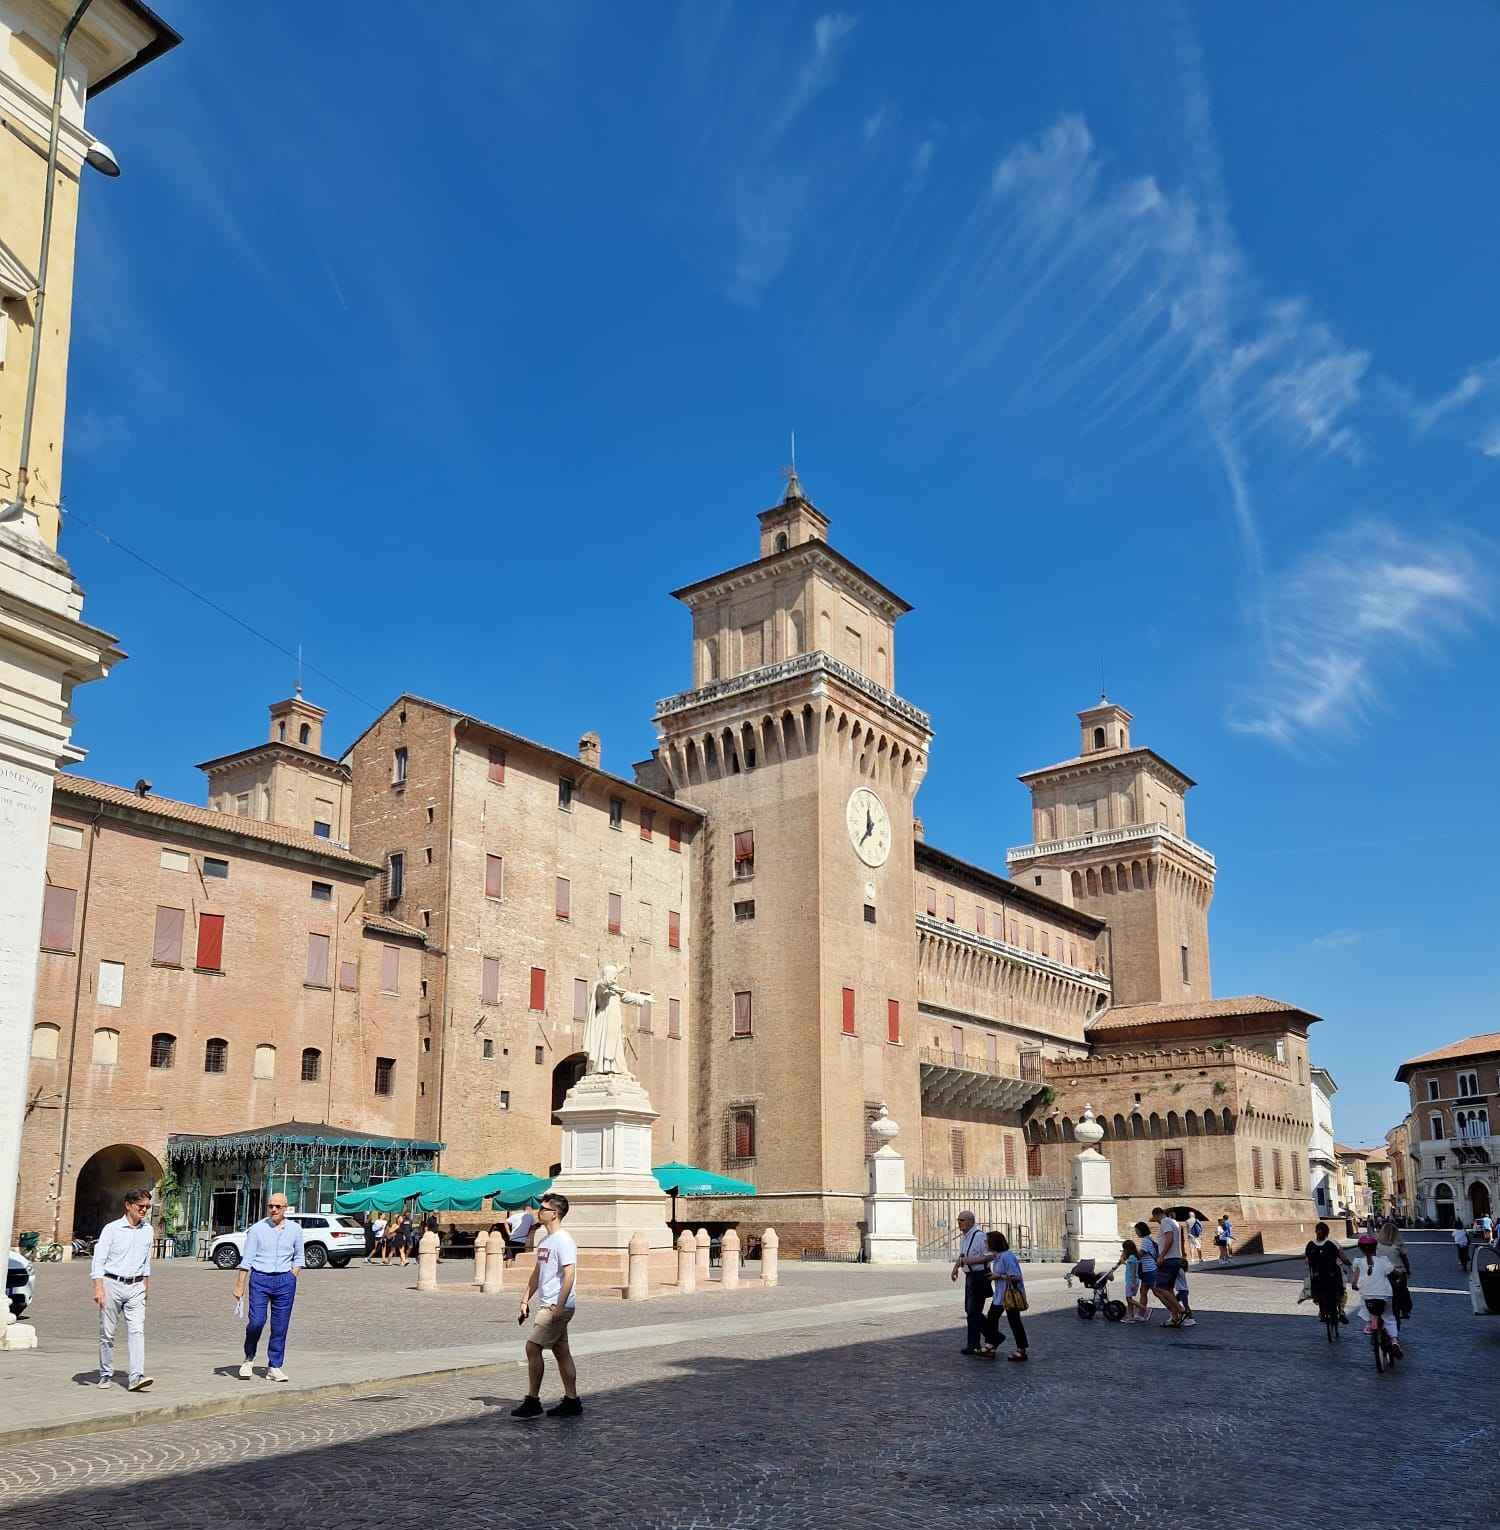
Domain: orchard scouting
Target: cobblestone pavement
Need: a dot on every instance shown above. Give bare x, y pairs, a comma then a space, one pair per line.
1252, 1416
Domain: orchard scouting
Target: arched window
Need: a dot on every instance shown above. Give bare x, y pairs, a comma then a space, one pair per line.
781, 542
44, 1040
281, 731
312, 1065
163, 1050
106, 1047
304, 733
1098, 738
215, 1055
265, 1061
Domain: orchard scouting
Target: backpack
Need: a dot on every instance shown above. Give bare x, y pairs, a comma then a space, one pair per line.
1195, 1228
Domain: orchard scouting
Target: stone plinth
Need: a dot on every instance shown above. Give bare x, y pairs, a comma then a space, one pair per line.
606, 1169
889, 1238
1093, 1216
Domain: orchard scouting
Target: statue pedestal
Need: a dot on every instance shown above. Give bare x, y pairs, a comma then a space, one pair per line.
606, 1174
889, 1238
1093, 1216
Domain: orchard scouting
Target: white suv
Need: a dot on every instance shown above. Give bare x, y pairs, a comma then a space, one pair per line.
20, 1282
326, 1239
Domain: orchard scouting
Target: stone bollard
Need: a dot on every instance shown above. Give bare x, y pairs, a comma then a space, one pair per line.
638, 1286
427, 1257
770, 1258
687, 1264
729, 1261
701, 1240
479, 1259
494, 1263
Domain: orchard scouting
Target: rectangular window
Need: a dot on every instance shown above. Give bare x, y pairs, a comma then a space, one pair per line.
1030, 938
992, 1047
1296, 1173
497, 766
390, 969
616, 913
932, 902
317, 960
1432, 1089
349, 976
565, 794
505, 1099
541, 1056
674, 835
58, 906
978, 920
1173, 1172
69, 837
956, 1151
950, 909
648, 823
322, 829
1257, 1173
1046, 943
538, 998
1435, 1128
580, 998
957, 1036
110, 986
646, 1016
494, 876
674, 930
674, 1017
742, 1015
742, 1132
167, 941
1009, 1145
893, 1021
744, 853
210, 956
1276, 1167
848, 1011
1034, 1160
395, 876
489, 980
385, 1075
646, 925
173, 860
617, 812
563, 898
869, 913
398, 768
487, 1048
213, 866
744, 910
322, 892
1184, 950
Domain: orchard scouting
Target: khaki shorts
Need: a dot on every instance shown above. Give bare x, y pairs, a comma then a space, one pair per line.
550, 1327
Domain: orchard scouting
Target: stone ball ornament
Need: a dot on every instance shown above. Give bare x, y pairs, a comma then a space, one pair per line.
885, 1128
1088, 1131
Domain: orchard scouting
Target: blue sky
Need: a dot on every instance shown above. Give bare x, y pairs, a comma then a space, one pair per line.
1153, 343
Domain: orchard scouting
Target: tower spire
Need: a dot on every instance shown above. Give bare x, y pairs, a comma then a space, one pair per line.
793, 486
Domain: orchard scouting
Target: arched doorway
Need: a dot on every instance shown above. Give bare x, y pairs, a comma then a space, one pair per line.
1442, 1205
1479, 1200
564, 1076
103, 1181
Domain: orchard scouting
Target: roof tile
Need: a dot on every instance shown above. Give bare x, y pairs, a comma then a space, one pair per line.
1124, 1016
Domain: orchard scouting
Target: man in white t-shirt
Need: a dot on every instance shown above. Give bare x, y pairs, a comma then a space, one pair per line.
553, 1279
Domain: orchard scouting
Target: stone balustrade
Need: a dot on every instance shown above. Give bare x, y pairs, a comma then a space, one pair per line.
1096, 839
1109, 1064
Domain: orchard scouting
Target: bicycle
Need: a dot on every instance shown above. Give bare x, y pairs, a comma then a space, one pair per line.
48, 1253
1380, 1340
1332, 1320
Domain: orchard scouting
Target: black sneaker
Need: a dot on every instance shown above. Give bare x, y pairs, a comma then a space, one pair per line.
569, 1407
531, 1407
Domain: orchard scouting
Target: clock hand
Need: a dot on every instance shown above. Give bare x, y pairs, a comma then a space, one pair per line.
869, 828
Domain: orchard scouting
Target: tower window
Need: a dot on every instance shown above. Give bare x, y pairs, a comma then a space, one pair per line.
304, 733
1185, 977
398, 767
565, 794
1098, 738
781, 541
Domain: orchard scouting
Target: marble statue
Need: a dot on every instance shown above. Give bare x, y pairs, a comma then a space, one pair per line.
603, 1034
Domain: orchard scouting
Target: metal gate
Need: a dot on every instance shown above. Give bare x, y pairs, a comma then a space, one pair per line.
1032, 1216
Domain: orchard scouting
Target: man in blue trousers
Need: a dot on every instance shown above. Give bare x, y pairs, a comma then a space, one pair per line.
271, 1263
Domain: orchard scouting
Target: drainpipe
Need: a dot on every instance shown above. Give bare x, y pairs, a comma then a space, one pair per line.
28, 412
83, 929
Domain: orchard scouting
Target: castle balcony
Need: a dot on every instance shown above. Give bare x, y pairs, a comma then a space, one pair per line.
1098, 839
959, 1080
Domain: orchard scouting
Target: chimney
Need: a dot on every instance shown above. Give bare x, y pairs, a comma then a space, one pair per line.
918, 831
588, 750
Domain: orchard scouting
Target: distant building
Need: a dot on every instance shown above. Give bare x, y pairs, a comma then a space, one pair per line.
1455, 1093
1322, 1164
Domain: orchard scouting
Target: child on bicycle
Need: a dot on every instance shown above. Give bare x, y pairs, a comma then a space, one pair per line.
1372, 1279
1324, 1258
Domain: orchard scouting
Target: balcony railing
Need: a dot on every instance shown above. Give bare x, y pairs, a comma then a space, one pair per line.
976, 1083
1096, 838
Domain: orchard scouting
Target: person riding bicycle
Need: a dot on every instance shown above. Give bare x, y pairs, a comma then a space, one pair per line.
1372, 1279
1324, 1257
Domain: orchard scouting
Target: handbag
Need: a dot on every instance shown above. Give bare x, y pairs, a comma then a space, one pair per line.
1014, 1299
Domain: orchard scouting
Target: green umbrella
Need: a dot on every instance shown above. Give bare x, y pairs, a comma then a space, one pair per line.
683, 1179
391, 1194
505, 1188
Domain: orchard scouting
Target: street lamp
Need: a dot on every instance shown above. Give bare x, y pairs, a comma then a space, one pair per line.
100, 157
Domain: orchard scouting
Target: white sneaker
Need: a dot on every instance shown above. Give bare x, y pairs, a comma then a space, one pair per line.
1188, 1323
277, 1374
247, 1370
104, 1381
139, 1384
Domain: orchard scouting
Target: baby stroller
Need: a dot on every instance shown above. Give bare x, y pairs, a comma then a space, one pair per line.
1098, 1286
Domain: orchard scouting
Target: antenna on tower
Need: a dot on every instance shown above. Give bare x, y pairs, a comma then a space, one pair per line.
299, 669
793, 487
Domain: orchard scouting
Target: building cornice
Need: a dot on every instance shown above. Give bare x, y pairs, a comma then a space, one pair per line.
1106, 762
815, 663
938, 929
1098, 839
809, 556
277, 749
1003, 888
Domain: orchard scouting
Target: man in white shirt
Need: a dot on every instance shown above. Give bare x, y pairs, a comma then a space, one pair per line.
554, 1278
122, 1272
517, 1232
1170, 1263
272, 1260
1461, 1243
974, 1262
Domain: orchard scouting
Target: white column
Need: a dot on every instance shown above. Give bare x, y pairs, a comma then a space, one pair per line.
45, 650
889, 1238
1093, 1216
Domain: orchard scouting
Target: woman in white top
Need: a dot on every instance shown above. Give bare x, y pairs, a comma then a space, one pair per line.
1372, 1279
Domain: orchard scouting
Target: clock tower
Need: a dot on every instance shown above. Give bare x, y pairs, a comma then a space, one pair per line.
795, 743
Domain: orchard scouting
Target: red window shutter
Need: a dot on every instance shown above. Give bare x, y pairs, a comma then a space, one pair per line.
992, 1047
538, 988
950, 909
497, 766
494, 876
1034, 1160
978, 920
893, 1020
744, 844
742, 1014
1010, 1156
932, 901
744, 1134
674, 1017
1256, 1172
1276, 1168
390, 969
580, 999
615, 905
564, 898
210, 942
848, 1011
166, 945
674, 930
317, 960
1173, 1176
648, 822
348, 976
489, 980
674, 835
58, 904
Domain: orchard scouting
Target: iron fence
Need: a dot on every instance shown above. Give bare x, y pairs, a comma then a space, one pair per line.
1032, 1215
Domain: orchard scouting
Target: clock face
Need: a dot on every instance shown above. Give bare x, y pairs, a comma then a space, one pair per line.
869, 826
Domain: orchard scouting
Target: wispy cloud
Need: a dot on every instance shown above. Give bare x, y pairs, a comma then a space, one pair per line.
921, 164
1489, 440
1465, 391
1336, 938
1345, 616
873, 124
96, 432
